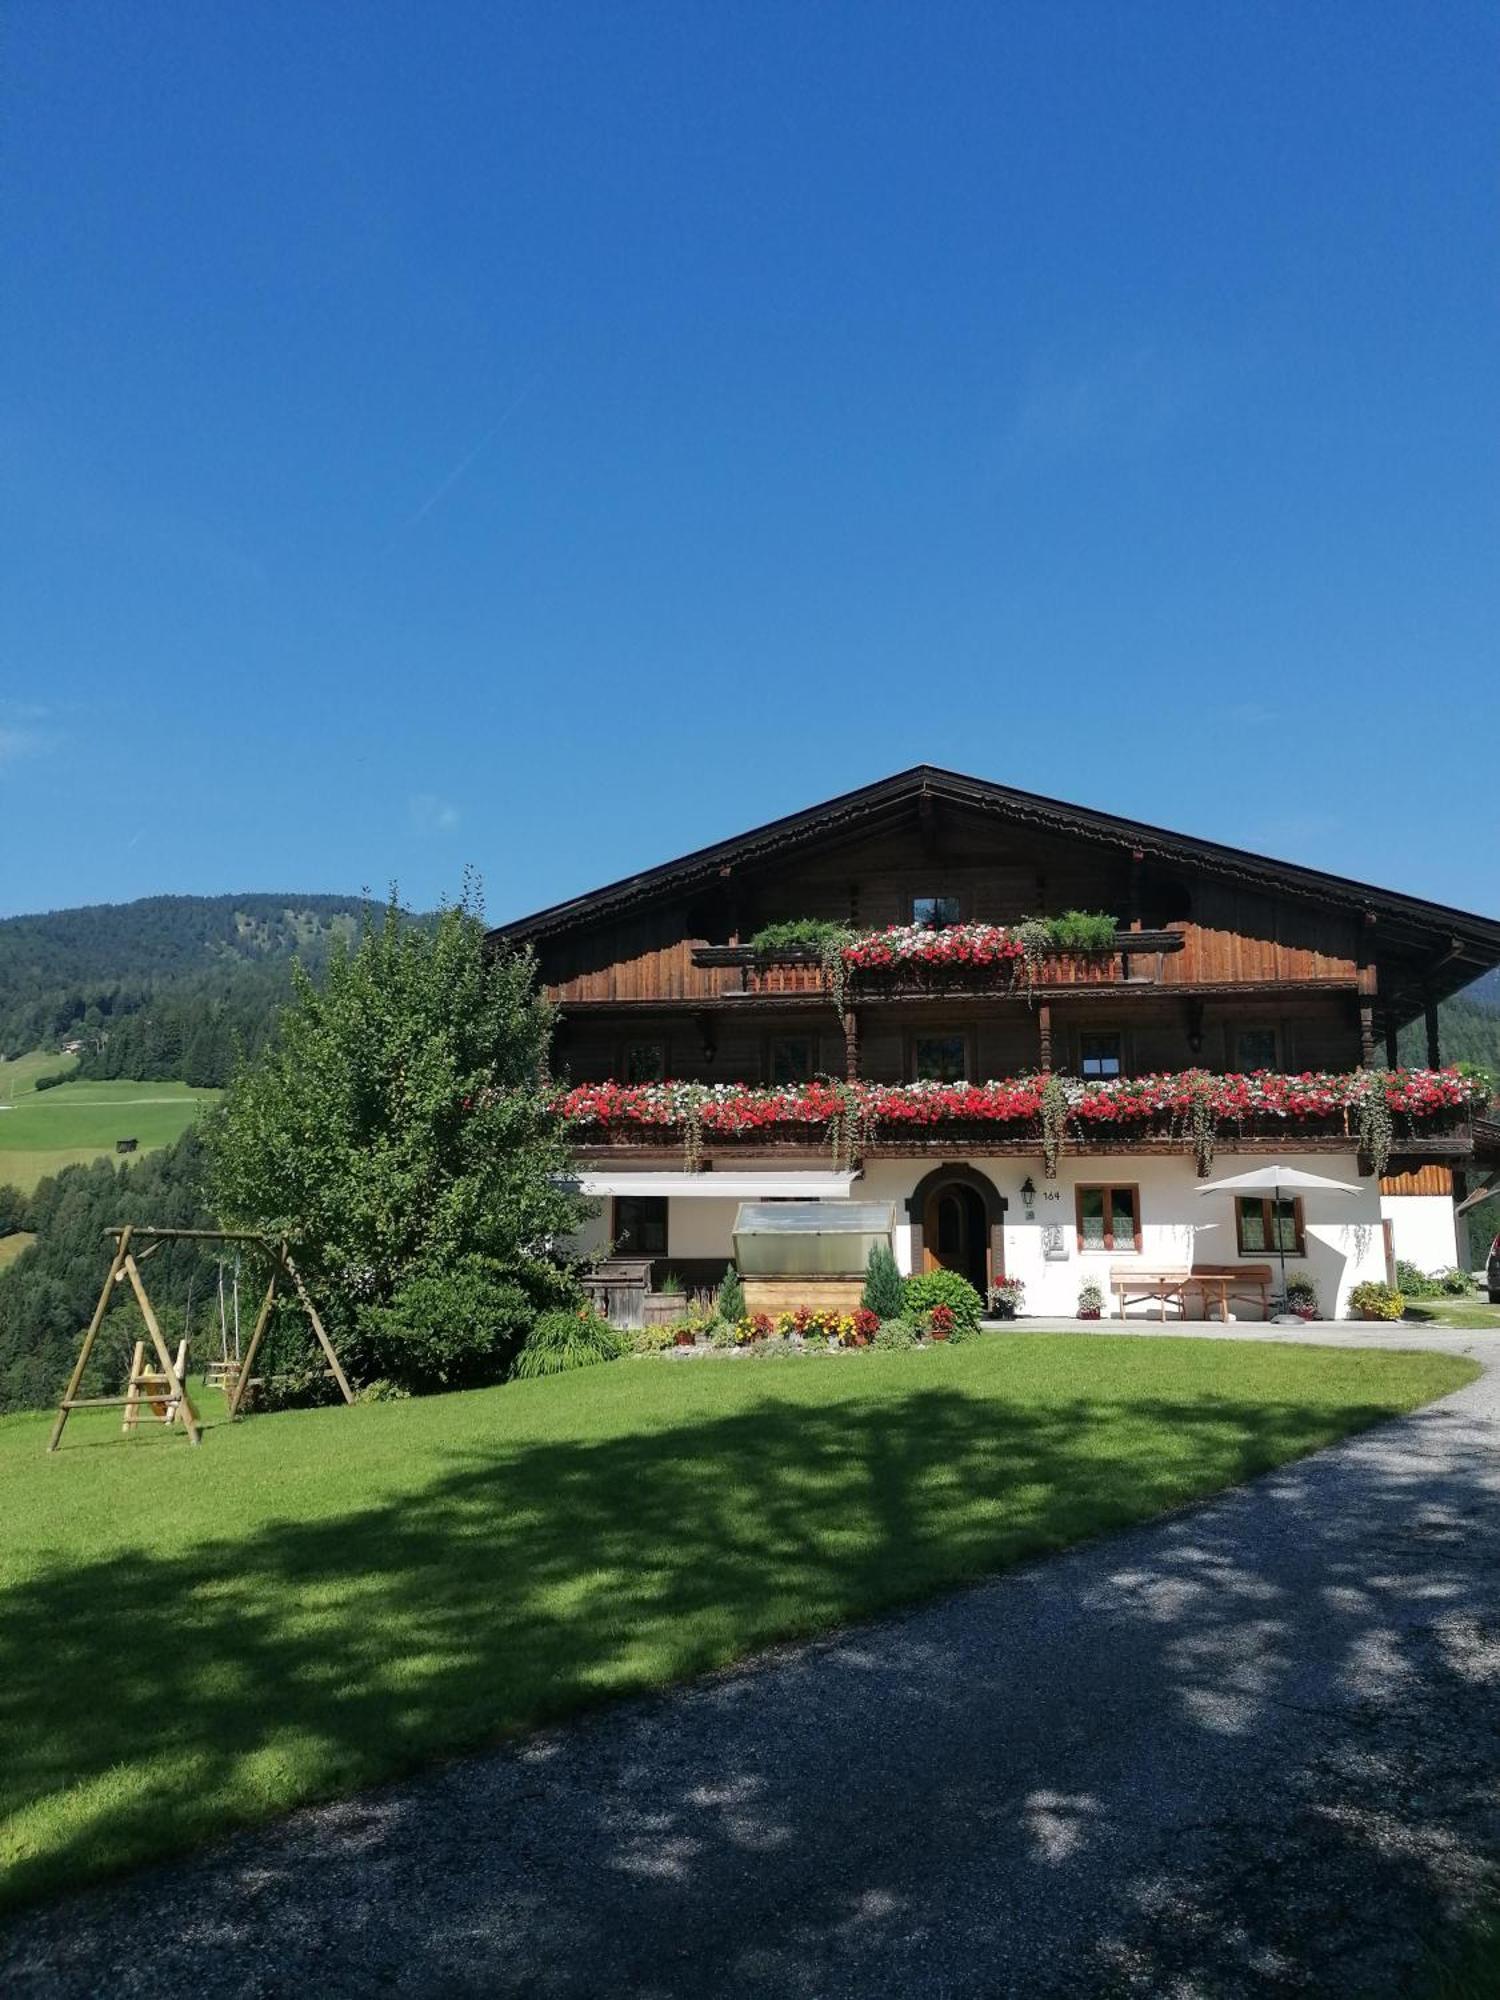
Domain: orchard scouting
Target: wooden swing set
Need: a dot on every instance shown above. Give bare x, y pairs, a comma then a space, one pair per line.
164, 1385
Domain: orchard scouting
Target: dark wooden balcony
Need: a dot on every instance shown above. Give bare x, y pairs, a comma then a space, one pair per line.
1136, 959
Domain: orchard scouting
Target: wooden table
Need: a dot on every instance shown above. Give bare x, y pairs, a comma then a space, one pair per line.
1132, 1284
1232, 1281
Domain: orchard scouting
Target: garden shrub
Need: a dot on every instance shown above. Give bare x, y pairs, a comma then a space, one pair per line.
563, 1340
651, 1339
1455, 1283
1415, 1283
443, 1327
381, 1390
944, 1288
896, 1333
885, 1288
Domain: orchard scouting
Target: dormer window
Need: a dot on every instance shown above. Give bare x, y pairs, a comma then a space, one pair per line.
934, 913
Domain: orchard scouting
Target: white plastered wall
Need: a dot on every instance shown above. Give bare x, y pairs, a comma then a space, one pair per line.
1345, 1242
1423, 1228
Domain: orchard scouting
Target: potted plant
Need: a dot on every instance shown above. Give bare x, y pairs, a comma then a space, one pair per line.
940, 1322
1090, 1301
1301, 1296
684, 1333
1375, 1301
866, 1326
1006, 1298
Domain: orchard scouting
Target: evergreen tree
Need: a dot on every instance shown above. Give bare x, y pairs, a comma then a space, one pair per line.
885, 1288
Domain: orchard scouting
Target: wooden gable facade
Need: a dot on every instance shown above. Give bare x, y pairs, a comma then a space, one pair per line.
1224, 960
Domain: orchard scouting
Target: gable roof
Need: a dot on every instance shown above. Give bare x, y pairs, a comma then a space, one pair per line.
1467, 943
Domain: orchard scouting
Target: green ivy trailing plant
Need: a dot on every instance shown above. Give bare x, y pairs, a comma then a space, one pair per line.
1035, 935
1203, 1120
1375, 1128
1054, 1114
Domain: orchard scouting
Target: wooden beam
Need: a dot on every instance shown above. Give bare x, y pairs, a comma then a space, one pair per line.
851, 1044
261, 1319
1044, 1035
91, 1334
317, 1325
179, 1395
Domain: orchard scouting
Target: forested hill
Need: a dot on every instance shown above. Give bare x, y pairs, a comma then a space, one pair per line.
165, 987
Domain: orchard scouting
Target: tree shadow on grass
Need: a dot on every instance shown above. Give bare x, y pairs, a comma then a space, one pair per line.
144, 1704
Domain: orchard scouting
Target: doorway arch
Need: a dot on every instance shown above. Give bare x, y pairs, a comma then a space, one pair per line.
957, 1217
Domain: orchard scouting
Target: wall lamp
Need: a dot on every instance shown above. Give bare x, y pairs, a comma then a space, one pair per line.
1028, 1193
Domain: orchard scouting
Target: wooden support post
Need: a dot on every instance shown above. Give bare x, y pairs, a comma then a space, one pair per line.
1434, 1044
177, 1395
317, 1325
237, 1395
851, 1044
1368, 977
1044, 1032
91, 1334
1366, 1035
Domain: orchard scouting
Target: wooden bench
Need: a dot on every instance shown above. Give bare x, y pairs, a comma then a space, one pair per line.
1223, 1282
1133, 1284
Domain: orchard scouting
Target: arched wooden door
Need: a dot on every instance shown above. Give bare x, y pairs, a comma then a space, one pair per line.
955, 1234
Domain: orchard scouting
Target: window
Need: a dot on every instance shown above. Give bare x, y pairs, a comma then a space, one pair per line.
645, 1062
791, 1059
641, 1224
940, 1058
1257, 1229
1101, 1055
1109, 1218
933, 912
1254, 1048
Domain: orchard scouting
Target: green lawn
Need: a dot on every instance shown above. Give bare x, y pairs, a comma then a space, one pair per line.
44, 1130
1474, 1314
312, 1601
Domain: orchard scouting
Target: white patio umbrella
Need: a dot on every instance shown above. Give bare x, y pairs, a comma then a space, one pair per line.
1273, 1179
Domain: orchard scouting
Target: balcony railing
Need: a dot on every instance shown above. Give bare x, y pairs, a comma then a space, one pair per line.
1372, 1112
1135, 956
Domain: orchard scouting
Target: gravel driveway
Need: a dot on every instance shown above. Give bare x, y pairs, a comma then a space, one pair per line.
1254, 1749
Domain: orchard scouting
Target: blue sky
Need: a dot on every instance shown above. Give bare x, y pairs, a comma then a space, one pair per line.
552, 437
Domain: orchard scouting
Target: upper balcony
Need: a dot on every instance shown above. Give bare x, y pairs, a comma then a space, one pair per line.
961, 960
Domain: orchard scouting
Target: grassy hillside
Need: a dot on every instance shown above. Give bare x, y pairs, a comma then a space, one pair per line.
345, 1593
42, 1131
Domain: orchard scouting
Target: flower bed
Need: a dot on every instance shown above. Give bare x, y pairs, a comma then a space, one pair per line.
1363, 1105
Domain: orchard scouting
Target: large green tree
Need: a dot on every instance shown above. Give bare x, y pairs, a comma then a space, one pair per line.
400, 1127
